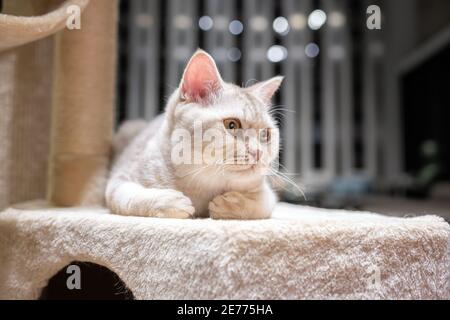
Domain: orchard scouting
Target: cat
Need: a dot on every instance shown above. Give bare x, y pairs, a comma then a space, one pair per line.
146, 181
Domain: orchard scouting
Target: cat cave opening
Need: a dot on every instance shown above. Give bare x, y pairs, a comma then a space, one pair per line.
86, 281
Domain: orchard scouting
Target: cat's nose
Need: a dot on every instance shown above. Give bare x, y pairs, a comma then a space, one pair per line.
256, 154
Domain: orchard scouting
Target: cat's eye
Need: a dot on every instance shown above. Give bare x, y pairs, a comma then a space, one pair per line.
232, 124
265, 135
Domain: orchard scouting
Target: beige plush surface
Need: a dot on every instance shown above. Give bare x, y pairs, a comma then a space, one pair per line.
301, 253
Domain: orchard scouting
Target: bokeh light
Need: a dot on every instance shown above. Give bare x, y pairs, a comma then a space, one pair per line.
312, 50
277, 53
182, 21
336, 19
236, 27
205, 23
234, 54
281, 25
297, 21
258, 23
317, 19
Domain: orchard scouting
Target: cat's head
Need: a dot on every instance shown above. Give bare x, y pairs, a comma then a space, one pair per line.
221, 127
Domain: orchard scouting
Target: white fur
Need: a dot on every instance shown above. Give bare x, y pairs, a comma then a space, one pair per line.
144, 180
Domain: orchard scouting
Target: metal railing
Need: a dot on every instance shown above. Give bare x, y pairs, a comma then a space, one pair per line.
319, 130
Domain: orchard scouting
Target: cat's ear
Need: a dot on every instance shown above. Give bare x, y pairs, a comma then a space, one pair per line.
266, 89
201, 79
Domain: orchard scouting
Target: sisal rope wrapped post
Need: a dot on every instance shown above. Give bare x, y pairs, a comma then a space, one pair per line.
82, 115
27, 29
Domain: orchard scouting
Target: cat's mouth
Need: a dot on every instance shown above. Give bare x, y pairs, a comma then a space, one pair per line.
247, 168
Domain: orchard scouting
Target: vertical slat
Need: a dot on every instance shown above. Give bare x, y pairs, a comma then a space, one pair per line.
219, 40
258, 37
371, 102
369, 114
151, 55
297, 91
143, 75
329, 91
289, 98
346, 100
133, 62
182, 20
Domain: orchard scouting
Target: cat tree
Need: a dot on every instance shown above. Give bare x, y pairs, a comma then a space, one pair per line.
70, 74
56, 107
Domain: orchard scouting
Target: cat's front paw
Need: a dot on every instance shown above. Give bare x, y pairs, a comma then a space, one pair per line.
230, 205
174, 204
161, 203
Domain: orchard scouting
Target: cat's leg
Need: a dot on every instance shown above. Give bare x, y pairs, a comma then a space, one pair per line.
132, 199
243, 205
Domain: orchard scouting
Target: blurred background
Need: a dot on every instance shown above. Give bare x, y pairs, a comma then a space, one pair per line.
364, 113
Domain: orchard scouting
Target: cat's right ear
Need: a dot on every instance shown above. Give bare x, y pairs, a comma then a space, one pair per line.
201, 79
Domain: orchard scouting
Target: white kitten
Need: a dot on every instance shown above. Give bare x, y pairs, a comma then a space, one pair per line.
216, 180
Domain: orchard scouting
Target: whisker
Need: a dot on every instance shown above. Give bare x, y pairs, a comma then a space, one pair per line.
192, 172
247, 83
286, 170
288, 180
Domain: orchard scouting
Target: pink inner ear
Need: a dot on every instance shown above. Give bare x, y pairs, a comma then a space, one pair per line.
201, 78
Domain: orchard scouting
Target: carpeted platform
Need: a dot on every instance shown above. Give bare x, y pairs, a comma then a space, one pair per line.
301, 253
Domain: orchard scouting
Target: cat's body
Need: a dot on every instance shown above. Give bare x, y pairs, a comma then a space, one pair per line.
146, 181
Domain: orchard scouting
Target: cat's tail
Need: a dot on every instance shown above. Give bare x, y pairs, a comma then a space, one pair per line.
127, 132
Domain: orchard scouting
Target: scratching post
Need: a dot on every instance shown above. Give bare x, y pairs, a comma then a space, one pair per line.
26, 82
82, 119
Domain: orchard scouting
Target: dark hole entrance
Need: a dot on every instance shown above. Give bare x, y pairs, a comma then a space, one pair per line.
95, 283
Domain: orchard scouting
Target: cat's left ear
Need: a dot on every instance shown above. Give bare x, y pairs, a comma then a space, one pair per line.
265, 90
201, 79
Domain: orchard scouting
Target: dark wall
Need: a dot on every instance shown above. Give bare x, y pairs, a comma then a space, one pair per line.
432, 16
426, 110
